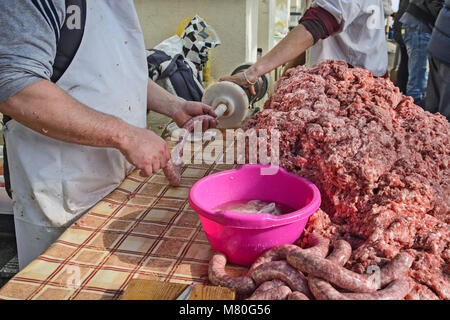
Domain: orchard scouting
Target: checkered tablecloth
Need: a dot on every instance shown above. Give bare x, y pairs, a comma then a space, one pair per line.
144, 229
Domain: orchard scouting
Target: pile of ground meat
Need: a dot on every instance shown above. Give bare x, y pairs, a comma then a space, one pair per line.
380, 162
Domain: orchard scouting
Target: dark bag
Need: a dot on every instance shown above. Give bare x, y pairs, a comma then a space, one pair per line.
175, 74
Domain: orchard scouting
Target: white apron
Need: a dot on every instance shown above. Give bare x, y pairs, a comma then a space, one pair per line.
54, 182
362, 40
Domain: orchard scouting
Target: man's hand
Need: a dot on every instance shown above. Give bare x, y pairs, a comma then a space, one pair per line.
145, 150
189, 109
239, 78
161, 101
290, 47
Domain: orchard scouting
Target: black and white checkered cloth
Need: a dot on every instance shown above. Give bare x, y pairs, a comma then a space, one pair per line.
197, 41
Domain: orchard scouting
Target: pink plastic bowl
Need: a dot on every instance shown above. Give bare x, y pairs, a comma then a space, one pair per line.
242, 236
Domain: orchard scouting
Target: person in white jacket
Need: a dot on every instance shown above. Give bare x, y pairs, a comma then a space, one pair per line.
72, 141
347, 30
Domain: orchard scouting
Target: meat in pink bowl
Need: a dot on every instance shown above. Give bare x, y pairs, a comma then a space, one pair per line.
244, 236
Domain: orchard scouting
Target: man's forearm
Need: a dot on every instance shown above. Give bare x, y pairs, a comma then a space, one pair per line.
295, 43
161, 101
45, 108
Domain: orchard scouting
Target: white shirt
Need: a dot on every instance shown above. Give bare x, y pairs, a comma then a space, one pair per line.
361, 41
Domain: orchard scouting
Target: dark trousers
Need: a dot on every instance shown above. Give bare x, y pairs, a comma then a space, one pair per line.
402, 71
438, 90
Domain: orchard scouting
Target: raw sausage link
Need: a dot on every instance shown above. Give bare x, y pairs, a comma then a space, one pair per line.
218, 276
322, 290
172, 171
340, 255
296, 280
318, 246
297, 296
273, 254
396, 290
341, 252
278, 293
346, 279
269, 285
283, 271
190, 124
397, 268
332, 272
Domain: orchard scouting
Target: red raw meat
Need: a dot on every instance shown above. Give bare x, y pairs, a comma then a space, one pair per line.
380, 161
